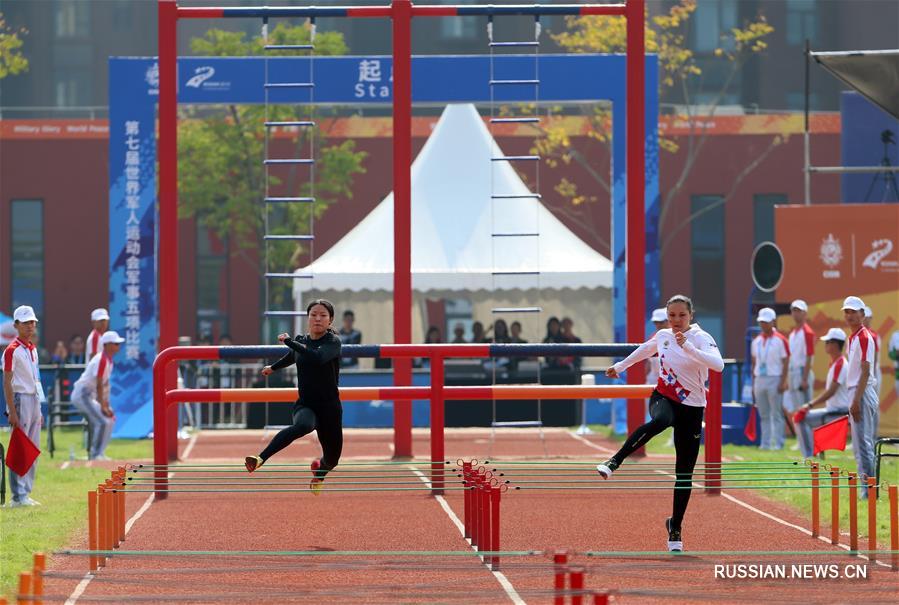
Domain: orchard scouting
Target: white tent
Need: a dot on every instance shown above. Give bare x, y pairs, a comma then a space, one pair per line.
455, 253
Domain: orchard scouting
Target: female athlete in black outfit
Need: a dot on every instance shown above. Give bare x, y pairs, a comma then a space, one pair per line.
318, 408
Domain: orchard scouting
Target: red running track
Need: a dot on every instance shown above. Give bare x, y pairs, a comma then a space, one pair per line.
414, 521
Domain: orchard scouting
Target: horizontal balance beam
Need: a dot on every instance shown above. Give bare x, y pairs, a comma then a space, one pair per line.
623, 391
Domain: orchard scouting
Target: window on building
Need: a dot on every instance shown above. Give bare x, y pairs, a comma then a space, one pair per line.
714, 19
708, 258
763, 215
212, 283
73, 19
27, 270
802, 23
458, 28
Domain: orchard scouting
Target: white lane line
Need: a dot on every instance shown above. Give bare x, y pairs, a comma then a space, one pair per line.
776, 519
500, 577
190, 445
589, 443
86, 580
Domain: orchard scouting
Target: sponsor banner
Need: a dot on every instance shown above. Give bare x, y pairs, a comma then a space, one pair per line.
132, 254
834, 251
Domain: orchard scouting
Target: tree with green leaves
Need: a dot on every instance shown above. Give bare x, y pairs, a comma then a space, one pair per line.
12, 61
222, 179
680, 76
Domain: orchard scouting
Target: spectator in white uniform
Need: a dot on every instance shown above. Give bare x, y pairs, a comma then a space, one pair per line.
770, 359
91, 395
878, 346
835, 395
864, 410
100, 323
802, 352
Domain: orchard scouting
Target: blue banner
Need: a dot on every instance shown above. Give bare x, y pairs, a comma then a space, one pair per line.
133, 90
132, 239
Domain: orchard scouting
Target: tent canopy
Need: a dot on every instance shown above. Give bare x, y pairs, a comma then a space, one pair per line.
454, 222
874, 73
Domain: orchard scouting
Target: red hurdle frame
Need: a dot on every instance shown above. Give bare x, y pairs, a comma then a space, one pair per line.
401, 13
165, 449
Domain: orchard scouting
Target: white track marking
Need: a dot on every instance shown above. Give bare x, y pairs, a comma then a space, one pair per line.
86, 580
775, 518
190, 444
589, 443
500, 577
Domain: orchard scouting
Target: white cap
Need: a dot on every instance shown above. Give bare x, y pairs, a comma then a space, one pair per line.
766, 314
799, 304
834, 334
24, 313
660, 315
853, 303
111, 336
99, 314
868, 312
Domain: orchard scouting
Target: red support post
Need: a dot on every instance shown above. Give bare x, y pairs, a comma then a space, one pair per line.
402, 218
468, 481
484, 513
713, 435
167, 145
437, 423
635, 196
560, 561
577, 585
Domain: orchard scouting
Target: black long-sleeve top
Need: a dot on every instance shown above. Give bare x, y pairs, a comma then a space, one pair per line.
318, 367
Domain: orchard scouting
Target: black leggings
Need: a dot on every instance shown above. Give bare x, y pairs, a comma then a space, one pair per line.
328, 421
687, 423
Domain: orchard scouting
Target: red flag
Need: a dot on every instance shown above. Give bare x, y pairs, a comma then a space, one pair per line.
750, 429
832, 436
21, 453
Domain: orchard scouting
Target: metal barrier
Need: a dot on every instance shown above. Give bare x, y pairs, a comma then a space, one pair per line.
165, 445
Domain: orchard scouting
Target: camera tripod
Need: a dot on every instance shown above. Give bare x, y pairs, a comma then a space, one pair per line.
888, 175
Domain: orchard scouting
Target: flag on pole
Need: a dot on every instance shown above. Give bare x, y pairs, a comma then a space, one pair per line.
750, 429
832, 436
21, 453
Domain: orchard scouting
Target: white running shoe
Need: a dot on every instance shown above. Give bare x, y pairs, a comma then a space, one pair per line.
606, 469
675, 543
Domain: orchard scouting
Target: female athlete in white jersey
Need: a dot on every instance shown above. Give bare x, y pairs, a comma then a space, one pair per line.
686, 354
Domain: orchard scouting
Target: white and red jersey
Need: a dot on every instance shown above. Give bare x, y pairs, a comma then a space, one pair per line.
862, 347
20, 359
769, 351
837, 373
100, 366
683, 371
92, 345
802, 346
